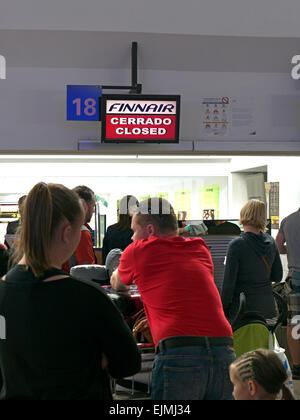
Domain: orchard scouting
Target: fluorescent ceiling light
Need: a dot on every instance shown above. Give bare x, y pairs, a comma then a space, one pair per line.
66, 157
196, 158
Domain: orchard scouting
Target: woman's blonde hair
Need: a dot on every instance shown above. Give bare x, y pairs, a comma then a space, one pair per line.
254, 214
46, 206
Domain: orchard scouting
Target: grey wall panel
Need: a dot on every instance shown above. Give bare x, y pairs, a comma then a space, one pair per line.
214, 17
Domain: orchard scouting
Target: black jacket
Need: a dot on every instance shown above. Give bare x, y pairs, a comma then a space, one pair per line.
56, 335
115, 238
247, 272
3, 262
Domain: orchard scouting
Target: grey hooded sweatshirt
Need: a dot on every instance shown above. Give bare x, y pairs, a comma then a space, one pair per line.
246, 271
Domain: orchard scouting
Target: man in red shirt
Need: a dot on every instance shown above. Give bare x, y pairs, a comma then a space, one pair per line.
84, 253
174, 276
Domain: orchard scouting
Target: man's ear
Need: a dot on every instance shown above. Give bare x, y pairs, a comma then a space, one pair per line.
150, 229
252, 387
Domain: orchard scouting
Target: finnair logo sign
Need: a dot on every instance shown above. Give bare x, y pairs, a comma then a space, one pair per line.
141, 107
2, 328
2, 67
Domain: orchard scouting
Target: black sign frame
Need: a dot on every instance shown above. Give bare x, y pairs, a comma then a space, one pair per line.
106, 97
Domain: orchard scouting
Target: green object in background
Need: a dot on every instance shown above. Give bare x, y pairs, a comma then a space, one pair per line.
250, 337
102, 200
182, 202
144, 197
209, 198
162, 195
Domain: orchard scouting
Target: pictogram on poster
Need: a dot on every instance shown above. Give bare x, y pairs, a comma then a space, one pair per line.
216, 114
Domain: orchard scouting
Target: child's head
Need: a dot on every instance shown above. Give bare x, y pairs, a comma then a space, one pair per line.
259, 375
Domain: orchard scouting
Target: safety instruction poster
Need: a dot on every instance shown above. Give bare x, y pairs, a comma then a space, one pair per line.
209, 197
216, 115
232, 117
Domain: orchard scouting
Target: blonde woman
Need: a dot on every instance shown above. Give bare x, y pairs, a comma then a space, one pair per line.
252, 264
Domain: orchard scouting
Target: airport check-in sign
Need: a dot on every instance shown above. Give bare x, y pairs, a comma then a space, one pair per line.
141, 119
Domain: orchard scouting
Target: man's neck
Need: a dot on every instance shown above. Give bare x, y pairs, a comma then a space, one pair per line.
167, 235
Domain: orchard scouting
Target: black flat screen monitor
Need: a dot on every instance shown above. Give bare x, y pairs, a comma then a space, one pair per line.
140, 118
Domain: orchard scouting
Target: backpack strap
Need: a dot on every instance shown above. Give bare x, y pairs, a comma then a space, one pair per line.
266, 264
54, 278
259, 256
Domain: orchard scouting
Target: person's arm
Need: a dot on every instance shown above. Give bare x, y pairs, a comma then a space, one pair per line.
230, 277
185, 229
121, 353
280, 240
124, 275
116, 282
276, 270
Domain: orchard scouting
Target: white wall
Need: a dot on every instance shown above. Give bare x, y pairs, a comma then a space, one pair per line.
32, 99
285, 170
239, 194
33, 107
214, 17
282, 169
19, 174
113, 178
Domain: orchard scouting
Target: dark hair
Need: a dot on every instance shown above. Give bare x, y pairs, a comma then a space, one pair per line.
85, 193
127, 206
21, 200
159, 212
21, 204
46, 206
264, 367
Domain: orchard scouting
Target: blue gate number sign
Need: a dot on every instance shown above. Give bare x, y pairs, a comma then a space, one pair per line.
83, 102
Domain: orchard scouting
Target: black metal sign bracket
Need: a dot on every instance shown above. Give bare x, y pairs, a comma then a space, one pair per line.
135, 86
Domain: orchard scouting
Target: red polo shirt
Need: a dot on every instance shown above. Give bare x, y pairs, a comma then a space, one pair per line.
175, 279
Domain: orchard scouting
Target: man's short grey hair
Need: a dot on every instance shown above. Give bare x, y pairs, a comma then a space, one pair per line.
159, 212
155, 205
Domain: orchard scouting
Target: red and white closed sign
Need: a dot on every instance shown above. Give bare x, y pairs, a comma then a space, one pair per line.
140, 118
